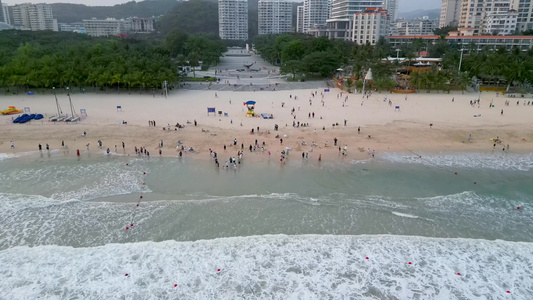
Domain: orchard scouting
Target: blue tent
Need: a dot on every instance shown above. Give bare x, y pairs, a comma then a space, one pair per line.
250, 103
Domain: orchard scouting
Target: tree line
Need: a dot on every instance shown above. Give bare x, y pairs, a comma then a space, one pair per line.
42, 60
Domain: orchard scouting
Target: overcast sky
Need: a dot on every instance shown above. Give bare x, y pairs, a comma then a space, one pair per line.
405, 5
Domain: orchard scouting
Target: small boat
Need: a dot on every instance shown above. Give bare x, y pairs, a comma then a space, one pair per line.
38, 116
11, 110
27, 118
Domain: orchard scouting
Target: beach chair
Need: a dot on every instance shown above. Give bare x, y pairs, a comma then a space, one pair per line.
396, 108
119, 108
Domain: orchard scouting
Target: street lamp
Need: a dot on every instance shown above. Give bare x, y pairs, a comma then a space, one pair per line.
398, 53
461, 59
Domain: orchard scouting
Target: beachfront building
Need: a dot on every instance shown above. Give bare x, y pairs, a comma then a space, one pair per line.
479, 42
2, 15
34, 17
475, 12
450, 12
6, 13
274, 16
525, 14
233, 19
72, 27
499, 23
392, 7
107, 27
418, 26
300, 18
141, 25
370, 25
315, 14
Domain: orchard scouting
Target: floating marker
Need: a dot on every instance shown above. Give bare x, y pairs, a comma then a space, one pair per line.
127, 228
143, 182
508, 292
459, 274
175, 285
419, 156
144, 173
127, 274
141, 197
455, 173
518, 207
127, 164
366, 257
131, 225
409, 262
137, 204
475, 182
218, 270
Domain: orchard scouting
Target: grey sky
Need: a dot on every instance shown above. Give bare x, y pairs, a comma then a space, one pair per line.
404, 5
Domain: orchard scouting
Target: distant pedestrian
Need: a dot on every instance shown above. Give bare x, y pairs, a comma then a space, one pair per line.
40, 147
12, 145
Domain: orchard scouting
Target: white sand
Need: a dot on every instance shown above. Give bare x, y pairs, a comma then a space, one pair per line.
406, 129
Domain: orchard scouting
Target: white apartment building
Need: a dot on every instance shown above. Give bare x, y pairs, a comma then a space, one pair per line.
300, 18
233, 19
316, 12
392, 7
473, 12
344, 9
107, 27
525, 14
274, 16
141, 25
418, 26
370, 25
500, 23
450, 13
34, 17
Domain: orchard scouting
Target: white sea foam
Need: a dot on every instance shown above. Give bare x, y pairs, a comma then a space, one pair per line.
399, 214
499, 161
273, 267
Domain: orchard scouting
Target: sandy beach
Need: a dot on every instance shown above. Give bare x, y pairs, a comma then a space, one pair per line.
383, 126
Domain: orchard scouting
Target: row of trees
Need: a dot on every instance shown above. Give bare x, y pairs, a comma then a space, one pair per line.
31, 60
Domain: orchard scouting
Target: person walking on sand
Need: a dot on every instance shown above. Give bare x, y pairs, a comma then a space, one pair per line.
12, 145
320, 157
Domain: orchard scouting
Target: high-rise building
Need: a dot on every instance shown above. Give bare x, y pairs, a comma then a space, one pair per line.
525, 14
300, 18
316, 12
392, 7
142, 25
274, 16
450, 13
499, 23
415, 27
34, 17
7, 13
233, 19
2, 17
344, 9
370, 25
474, 13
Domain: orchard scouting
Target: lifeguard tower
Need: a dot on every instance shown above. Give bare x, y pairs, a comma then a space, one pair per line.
250, 105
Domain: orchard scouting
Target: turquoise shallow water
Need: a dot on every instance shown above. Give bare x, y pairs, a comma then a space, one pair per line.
279, 228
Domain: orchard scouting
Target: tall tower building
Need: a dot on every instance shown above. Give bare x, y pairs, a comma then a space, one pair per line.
233, 19
525, 14
274, 16
475, 12
370, 25
34, 17
450, 13
344, 9
300, 18
2, 18
392, 7
316, 12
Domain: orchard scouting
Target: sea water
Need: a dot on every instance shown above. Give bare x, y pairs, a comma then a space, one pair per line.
400, 226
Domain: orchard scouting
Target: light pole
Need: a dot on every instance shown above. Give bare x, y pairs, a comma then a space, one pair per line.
461, 59
398, 53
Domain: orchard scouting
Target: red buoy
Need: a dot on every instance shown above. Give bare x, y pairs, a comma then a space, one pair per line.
459, 274
137, 204
366, 257
419, 156
127, 164
127, 228
143, 182
127, 274
218, 270
144, 173
131, 224
409, 262
475, 182
455, 173
508, 292
175, 285
141, 197
518, 207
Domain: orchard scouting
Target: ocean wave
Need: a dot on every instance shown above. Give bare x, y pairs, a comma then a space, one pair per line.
507, 161
273, 267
